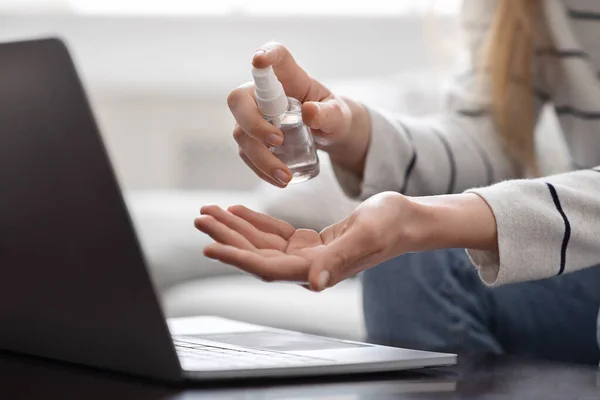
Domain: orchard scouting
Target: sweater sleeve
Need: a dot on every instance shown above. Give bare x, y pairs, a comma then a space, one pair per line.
546, 227
440, 154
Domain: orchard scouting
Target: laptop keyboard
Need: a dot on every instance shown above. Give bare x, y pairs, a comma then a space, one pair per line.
200, 356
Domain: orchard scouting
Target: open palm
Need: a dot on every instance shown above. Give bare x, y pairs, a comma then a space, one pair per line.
275, 251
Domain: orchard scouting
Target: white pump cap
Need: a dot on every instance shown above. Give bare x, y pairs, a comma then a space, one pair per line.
270, 97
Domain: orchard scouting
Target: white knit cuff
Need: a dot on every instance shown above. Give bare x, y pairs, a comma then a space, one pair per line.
528, 250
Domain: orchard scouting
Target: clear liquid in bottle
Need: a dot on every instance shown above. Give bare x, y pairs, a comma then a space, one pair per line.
298, 150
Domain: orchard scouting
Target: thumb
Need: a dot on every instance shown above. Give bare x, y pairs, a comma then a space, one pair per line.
336, 262
327, 116
326, 270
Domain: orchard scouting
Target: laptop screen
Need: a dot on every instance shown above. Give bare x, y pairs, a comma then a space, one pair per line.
74, 285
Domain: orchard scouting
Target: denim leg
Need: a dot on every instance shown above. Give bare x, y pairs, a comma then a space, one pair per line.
436, 301
433, 300
554, 318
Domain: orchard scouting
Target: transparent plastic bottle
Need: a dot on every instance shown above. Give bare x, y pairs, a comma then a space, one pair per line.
298, 150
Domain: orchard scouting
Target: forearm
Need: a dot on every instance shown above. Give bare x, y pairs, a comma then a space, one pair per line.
453, 221
420, 156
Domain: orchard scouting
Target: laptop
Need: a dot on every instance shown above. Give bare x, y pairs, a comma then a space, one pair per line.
75, 286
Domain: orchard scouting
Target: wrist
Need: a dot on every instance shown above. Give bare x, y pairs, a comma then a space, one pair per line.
454, 221
350, 151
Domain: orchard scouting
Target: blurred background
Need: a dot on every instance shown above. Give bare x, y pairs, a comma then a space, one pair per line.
158, 73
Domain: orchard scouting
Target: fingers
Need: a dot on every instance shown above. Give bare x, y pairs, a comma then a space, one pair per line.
222, 233
263, 222
276, 268
243, 106
296, 82
272, 53
262, 158
253, 134
258, 172
328, 116
258, 238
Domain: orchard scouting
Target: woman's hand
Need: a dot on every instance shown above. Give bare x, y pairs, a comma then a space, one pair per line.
384, 226
340, 126
275, 251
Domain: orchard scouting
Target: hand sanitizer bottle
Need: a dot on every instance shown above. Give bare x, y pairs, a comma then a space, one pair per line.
298, 150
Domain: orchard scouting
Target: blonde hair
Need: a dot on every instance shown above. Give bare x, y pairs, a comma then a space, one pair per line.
515, 33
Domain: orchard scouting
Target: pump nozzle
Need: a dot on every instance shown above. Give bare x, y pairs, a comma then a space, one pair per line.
270, 97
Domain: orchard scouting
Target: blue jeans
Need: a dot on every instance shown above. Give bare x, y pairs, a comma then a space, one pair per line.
436, 301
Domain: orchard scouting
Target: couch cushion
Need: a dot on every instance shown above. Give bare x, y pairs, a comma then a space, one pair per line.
164, 221
336, 312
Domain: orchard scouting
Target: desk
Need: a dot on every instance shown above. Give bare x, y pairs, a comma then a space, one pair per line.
474, 378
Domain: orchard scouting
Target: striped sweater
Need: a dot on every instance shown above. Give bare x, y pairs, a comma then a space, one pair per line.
546, 226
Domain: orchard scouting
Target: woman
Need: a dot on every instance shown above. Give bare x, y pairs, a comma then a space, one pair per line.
454, 181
